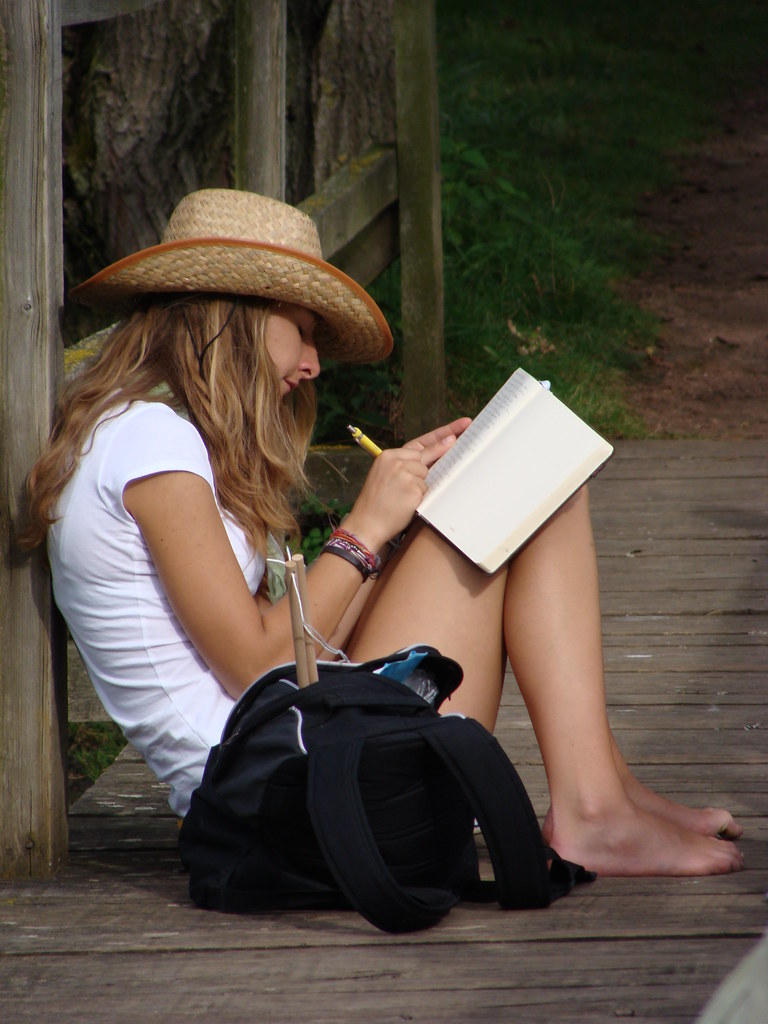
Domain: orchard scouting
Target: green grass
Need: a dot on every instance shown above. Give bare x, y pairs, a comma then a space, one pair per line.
93, 746
555, 119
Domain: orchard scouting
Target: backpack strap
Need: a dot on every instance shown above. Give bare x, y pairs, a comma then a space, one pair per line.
341, 825
503, 811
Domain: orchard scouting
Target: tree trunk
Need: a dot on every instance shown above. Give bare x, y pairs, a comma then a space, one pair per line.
353, 85
147, 118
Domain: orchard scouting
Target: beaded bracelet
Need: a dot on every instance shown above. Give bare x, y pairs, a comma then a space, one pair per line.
345, 545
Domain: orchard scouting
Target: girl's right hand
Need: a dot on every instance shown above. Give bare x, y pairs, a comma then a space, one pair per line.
393, 491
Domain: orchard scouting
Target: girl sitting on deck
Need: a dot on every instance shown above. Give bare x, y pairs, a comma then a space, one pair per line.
168, 483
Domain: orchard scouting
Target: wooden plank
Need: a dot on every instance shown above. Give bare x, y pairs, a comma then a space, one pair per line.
260, 96
688, 525
677, 705
381, 984
609, 547
370, 252
660, 746
125, 809
79, 12
738, 718
665, 488
129, 789
740, 788
701, 681
735, 778
108, 833
668, 659
351, 200
735, 630
678, 573
625, 467
714, 494
33, 832
418, 167
744, 630
690, 457
675, 688
715, 603
155, 914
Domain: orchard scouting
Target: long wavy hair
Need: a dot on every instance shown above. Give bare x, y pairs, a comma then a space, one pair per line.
257, 440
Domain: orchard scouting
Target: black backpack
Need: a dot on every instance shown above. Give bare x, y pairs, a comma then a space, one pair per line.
354, 791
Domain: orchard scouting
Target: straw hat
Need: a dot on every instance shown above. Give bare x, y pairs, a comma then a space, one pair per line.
240, 243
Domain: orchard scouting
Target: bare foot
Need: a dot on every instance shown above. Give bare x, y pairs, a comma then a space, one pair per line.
707, 821
626, 840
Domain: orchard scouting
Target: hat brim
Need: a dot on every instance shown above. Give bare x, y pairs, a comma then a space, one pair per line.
358, 332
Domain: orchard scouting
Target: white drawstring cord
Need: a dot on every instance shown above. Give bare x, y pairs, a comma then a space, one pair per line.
309, 629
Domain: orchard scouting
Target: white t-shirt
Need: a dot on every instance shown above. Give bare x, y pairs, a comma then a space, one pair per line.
148, 675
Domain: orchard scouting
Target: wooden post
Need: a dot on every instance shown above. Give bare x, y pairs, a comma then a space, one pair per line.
33, 825
355, 211
418, 168
259, 144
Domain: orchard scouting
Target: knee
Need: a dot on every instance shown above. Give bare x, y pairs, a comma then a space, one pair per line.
577, 501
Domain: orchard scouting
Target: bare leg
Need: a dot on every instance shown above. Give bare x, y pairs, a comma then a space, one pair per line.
431, 594
552, 632
545, 610
580, 558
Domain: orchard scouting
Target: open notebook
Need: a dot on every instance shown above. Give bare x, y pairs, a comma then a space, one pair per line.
522, 457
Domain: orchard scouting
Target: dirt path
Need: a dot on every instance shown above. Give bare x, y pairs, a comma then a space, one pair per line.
708, 375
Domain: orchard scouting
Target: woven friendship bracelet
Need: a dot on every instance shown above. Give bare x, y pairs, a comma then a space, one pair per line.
340, 544
373, 560
349, 556
345, 545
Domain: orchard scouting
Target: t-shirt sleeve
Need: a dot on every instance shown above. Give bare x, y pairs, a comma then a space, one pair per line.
149, 438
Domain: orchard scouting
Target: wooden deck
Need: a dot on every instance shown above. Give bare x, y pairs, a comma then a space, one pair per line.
682, 532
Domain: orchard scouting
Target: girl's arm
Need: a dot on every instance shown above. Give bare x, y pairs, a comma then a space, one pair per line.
237, 636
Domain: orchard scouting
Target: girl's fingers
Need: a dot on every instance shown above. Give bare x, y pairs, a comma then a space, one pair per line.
434, 437
432, 453
416, 453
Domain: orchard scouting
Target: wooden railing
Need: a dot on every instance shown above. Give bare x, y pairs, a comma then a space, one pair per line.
382, 202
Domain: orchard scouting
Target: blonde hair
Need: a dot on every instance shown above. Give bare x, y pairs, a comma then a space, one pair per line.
257, 440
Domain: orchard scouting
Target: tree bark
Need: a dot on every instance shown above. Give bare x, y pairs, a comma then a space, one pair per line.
147, 118
353, 84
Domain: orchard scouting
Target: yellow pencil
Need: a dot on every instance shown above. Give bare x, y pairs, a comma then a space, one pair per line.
363, 441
